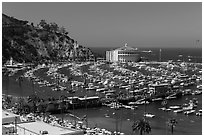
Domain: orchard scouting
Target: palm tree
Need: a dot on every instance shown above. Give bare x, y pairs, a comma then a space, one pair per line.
142, 125
62, 106
172, 123
165, 104
116, 114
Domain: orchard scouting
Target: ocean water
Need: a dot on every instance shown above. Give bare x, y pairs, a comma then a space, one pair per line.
184, 54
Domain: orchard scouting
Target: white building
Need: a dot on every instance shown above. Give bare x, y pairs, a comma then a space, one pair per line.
41, 128
9, 120
123, 54
12, 125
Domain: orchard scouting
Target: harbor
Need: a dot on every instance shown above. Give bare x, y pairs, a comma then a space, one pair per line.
102, 68
121, 99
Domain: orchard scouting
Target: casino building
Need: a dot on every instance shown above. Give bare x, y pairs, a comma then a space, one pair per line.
123, 54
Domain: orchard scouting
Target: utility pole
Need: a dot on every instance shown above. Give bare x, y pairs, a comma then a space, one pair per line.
164, 103
15, 124
86, 112
73, 106
121, 120
145, 110
60, 98
84, 77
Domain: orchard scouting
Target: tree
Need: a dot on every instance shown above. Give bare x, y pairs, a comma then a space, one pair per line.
142, 125
33, 99
61, 106
172, 123
53, 27
63, 30
20, 103
44, 25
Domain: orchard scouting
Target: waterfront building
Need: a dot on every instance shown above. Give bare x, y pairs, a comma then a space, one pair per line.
123, 54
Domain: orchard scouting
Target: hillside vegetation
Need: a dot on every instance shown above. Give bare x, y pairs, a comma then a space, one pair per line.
25, 42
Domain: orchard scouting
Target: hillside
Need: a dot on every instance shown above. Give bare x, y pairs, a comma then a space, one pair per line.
25, 42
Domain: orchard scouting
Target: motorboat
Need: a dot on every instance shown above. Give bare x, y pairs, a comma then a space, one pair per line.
107, 116
168, 109
198, 92
187, 108
199, 113
169, 97
157, 99
128, 107
174, 107
162, 108
142, 102
178, 111
189, 112
149, 115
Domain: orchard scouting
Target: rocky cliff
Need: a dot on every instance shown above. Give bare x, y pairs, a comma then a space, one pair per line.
25, 42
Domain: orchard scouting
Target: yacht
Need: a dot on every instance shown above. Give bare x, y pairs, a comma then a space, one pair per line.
178, 111
107, 116
199, 113
149, 115
157, 99
189, 112
187, 108
174, 107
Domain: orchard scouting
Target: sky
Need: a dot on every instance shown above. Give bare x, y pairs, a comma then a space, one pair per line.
148, 24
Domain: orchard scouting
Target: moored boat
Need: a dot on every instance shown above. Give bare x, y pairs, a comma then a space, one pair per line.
199, 113
174, 107
189, 112
178, 111
107, 116
149, 115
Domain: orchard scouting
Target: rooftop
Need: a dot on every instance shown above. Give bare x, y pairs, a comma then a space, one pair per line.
38, 126
8, 117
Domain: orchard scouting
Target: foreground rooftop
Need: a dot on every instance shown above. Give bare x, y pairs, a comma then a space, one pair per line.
37, 127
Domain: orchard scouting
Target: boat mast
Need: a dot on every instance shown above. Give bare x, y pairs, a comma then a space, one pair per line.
160, 55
